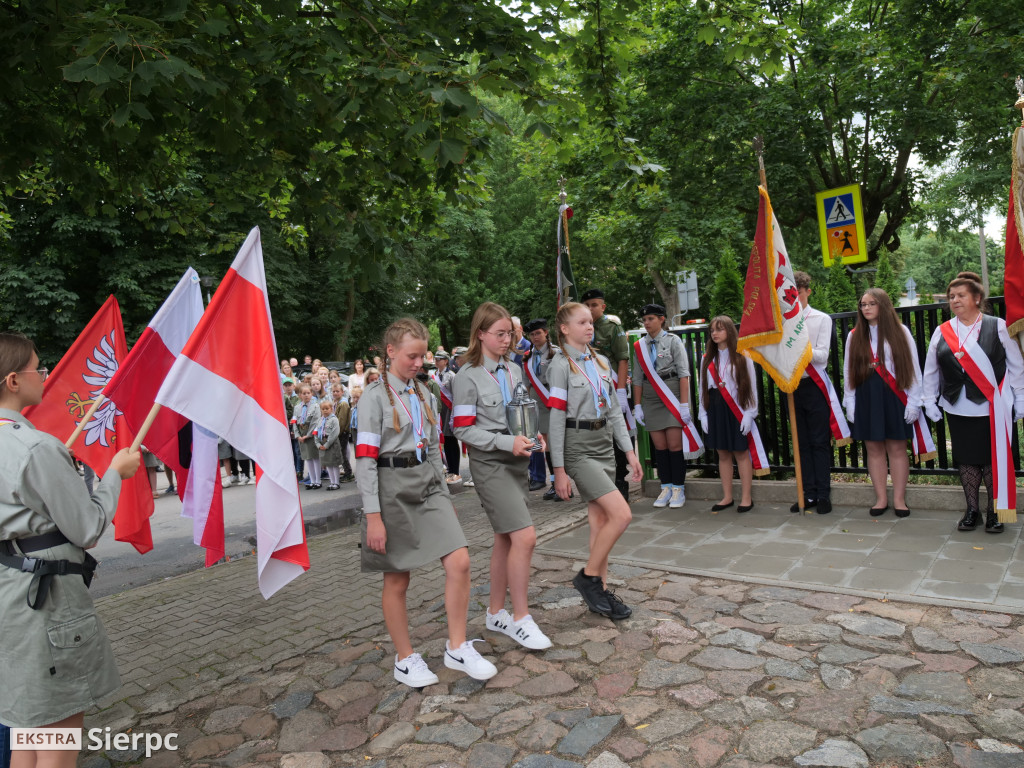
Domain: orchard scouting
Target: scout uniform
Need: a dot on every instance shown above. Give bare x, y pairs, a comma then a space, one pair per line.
672, 364
306, 416
538, 362
56, 658
478, 419
400, 476
585, 421
328, 434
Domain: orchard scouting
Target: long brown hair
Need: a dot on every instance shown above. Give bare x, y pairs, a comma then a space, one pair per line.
744, 387
890, 331
562, 318
486, 315
393, 336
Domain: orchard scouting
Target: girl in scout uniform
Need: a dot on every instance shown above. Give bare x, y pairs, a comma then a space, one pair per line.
343, 412
328, 433
498, 461
883, 391
727, 389
535, 366
304, 420
585, 420
409, 521
663, 354
56, 658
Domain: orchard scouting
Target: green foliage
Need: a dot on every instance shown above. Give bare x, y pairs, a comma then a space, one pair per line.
838, 293
887, 279
727, 295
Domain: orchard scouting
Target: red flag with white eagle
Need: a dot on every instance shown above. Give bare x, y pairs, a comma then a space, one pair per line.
69, 391
772, 330
231, 388
1013, 278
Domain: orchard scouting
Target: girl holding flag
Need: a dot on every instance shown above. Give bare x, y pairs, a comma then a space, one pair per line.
409, 518
663, 405
728, 409
585, 420
975, 372
882, 385
499, 461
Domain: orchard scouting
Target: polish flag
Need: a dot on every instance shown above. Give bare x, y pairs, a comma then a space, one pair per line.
226, 381
72, 387
133, 389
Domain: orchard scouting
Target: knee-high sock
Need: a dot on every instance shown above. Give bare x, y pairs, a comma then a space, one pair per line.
313, 465
677, 460
664, 463
334, 475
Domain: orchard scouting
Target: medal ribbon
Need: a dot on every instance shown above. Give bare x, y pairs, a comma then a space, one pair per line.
416, 421
588, 364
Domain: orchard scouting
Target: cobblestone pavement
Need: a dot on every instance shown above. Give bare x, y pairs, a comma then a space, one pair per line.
707, 672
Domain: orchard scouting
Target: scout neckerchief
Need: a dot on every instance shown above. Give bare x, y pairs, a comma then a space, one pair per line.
505, 383
320, 432
415, 417
836, 419
692, 445
758, 457
533, 359
589, 371
975, 362
921, 441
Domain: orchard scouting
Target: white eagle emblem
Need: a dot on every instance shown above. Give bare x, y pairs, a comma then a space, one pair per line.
103, 363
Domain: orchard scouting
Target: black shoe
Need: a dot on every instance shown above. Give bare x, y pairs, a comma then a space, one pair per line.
744, 508
992, 524
876, 511
536, 485
593, 592
808, 504
619, 609
549, 494
969, 521
901, 512
720, 507
824, 506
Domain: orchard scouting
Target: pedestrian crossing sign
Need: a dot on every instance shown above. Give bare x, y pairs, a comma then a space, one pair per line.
841, 225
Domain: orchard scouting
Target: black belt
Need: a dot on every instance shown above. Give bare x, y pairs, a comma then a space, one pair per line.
585, 424
44, 570
399, 462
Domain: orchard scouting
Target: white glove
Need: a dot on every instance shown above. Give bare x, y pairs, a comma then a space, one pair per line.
638, 414
931, 410
623, 400
1018, 408
747, 424
684, 411
704, 422
849, 411
911, 414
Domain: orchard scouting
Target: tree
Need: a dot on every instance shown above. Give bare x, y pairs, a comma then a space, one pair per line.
727, 295
838, 294
887, 279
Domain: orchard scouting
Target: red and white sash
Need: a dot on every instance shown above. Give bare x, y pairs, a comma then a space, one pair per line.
758, 457
975, 362
836, 418
922, 444
692, 444
626, 412
446, 394
543, 394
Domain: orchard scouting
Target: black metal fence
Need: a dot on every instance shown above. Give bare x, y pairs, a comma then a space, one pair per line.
773, 420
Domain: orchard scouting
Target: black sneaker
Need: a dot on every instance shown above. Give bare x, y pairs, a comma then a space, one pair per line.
619, 609
593, 592
550, 494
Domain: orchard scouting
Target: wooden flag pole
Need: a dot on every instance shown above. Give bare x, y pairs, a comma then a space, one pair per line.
150, 418
759, 149
85, 420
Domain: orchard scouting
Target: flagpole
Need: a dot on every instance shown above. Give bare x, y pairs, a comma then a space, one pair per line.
85, 420
150, 418
759, 149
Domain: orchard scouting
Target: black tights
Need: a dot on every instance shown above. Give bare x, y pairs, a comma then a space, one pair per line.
971, 476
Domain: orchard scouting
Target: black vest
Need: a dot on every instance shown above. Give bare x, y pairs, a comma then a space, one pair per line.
954, 377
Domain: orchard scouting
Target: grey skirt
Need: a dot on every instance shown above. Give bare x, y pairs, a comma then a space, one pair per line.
332, 456
502, 481
56, 661
590, 461
308, 450
656, 415
419, 519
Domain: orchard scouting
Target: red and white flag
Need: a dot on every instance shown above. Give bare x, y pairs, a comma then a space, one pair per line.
133, 389
69, 391
1013, 276
773, 331
226, 381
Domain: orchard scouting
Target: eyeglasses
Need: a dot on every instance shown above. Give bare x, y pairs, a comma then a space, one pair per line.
43, 372
501, 334
864, 304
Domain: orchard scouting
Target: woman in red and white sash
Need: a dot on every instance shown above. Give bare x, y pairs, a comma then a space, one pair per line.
661, 391
882, 395
975, 372
728, 408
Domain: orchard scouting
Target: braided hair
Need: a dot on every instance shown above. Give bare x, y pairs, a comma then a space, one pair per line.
562, 318
393, 336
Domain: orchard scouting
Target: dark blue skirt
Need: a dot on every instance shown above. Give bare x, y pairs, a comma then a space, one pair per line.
878, 414
723, 428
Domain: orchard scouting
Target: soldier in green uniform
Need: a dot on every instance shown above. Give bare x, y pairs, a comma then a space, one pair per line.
610, 340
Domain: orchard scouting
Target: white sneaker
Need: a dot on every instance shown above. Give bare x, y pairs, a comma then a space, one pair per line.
245, 479
525, 631
499, 622
678, 498
414, 672
235, 480
468, 484
663, 497
467, 659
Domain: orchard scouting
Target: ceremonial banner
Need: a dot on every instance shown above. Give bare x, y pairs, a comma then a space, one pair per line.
772, 330
69, 391
563, 268
1013, 279
232, 389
